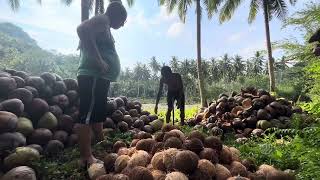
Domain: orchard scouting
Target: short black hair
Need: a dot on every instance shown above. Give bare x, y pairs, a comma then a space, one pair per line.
116, 8
166, 70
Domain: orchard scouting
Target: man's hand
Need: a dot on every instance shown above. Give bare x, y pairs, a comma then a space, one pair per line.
156, 109
103, 66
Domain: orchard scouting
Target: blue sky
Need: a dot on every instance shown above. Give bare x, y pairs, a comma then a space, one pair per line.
149, 31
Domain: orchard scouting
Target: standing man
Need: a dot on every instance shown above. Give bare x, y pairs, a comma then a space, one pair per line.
99, 65
175, 92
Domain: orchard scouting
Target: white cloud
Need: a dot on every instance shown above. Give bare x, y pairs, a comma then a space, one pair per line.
175, 29
235, 37
248, 51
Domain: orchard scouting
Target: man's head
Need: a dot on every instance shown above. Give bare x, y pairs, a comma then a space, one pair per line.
117, 14
315, 37
166, 71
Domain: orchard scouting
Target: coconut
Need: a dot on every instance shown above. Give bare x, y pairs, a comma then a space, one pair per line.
139, 158
40, 136
199, 175
186, 161
120, 177
54, 147
24, 126
194, 145
96, 170
138, 124
72, 140
140, 173
196, 134
238, 169
209, 154
48, 121
105, 177
206, 166
117, 116
235, 154
117, 145
72, 96
8, 122
225, 155
59, 87
21, 157
20, 173
173, 142
36, 147
168, 158
176, 176
62, 136
156, 124
159, 146
10, 141
134, 142
109, 161
147, 128
168, 127
238, 178
108, 123
37, 109
158, 136
213, 142
71, 84
36, 82
257, 132
145, 144
19, 81
56, 111
266, 169
65, 123
61, 100
48, 78
175, 133
123, 151
21, 74
133, 113
23, 94
14, 106
143, 135
157, 161
145, 119
123, 126
279, 175
147, 113
7, 84
249, 164
128, 119
121, 162
222, 172
33, 90
119, 102
153, 117
158, 175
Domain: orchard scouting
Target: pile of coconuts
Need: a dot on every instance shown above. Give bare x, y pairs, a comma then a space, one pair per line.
247, 113
169, 154
38, 114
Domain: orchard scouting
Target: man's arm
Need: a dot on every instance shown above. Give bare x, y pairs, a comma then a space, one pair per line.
181, 83
159, 95
87, 32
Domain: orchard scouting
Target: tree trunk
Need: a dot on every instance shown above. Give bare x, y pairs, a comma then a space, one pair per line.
84, 10
270, 58
96, 11
199, 67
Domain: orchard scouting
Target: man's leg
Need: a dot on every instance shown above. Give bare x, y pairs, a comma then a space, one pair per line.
84, 135
168, 114
170, 103
182, 107
97, 129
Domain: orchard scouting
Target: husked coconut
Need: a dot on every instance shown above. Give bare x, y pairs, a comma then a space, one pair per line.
140, 158
213, 142
96, 170
186, 161
195, 145
140, 173
176, 176
121, 162
158, 175
145, 144
199, 175
20, 173
173, 142
157, 161
209, 154
196, 134
207, 167
168, 158
109, 161
159, 146
117, 145
238, 169
235, 154
225, 155
222, 172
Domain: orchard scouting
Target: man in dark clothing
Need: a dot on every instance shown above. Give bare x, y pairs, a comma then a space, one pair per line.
314, 38
175, 92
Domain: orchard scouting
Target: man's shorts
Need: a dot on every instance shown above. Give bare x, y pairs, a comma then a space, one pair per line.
93, 94
176, 95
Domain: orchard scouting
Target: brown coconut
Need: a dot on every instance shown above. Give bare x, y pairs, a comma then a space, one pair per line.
173, 142
60, 100
158, 136
134, 142
140, 173
123, 151
8, 122
222, 172
14, 106
105, 177
23, 94
159, 146
33, 90
40, 136
225, 155
20, 173
7, 84
206, 166
168, 158
196, 134
213, 142
237, 178
235, 154
176, 176
266, 169
62, 136
20, 82
139, 158
186, 161
174, 133
109, 161
158, 175
195, 145
117, 145
123, 126
120, 177
96, 170
54, 147
36, 147
199, 175
168, 127
238, 169
37, 109
279, 175
209, 154
121, 162
145, 144
56, 110
157, 161
249, 164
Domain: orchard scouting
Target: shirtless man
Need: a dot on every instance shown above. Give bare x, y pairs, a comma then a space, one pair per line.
175, 92
314, 38
99, 65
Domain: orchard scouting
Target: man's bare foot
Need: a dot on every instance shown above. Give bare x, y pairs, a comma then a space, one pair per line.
86, 163
182, 123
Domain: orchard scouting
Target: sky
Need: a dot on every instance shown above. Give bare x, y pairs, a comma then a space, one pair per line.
149, 31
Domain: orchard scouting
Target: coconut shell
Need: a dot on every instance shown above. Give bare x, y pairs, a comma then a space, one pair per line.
168, 158
140, 173
159, 146
225, 156
117, 145
176, 176
174, 133
157, 161
7, 84
23, 94
20, 173
48, 121
186, 161
249, 164
213, 142
199, 175
195, 145
109, 161
37, 109
145, 144
158, 175
196, 134
96, 170
140, 158
222, 172
173, 142
206, 166
209, 154
238, 169
10, 141
121, 162
21, 157
54, 147
61, 136
235, 154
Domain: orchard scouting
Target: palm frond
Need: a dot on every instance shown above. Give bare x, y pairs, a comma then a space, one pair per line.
14, 4
101, 7
212, 6
183, 8
293, 2
67, 2
254, 8
279, 8
130, 3
228, 9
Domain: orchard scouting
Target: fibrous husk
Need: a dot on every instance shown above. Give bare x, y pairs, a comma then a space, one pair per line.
237, 178
174, 133
117, 145
14, 106
23, 94
158, 136
196, 134
62, 136
159, 146
158, 175
139, 158
168, 158
238, 169
222, 172
123, 151
123, 126
109, 161
266, 169
140, 173
37, 109
186, 161
121, 162
176, 176
157, 161
206, 166
168, 127
40, 136
120, 177
199, 175
213, 142
96, 170
249, 164
54, 147
173, 142
195, 145
225, 155
145, 144
209, 154
235, 154
10, 141
20, 173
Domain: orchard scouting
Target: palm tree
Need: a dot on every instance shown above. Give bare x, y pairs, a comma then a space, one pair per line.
270, 8
238, 66
183, 5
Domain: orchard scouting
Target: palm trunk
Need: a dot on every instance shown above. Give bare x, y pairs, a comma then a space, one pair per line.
271, 61
84, 10
96, 11
200, 77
